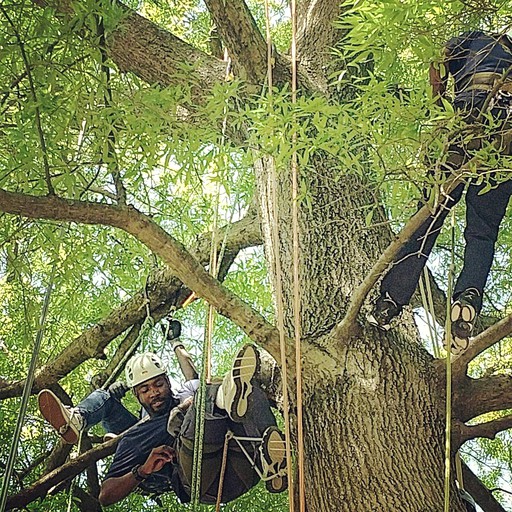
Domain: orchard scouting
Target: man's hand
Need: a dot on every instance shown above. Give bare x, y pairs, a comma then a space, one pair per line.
173, 331
157, 459
118, 390
177, 415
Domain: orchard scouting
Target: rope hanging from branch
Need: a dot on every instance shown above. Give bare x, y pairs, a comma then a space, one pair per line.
279, 293
27, 389
206, 366
296, 254
448, 341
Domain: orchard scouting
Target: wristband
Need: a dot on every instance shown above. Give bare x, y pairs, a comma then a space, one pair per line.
137, 475
177, 344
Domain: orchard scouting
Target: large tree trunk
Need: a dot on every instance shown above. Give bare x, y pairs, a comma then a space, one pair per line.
374, 419
375, 443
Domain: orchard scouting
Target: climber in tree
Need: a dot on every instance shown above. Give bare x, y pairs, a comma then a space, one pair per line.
480, 65
104, 406
155, 454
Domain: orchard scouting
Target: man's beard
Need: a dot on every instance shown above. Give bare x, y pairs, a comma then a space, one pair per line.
163, 406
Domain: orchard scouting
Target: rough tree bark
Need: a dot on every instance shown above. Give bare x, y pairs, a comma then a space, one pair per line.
373, 402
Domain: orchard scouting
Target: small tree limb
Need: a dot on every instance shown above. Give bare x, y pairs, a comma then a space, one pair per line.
480, 343
40, 488
488, 429
480, 493
348, 325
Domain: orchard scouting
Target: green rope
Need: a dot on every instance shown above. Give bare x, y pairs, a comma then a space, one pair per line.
448, 337
26, 392
200, 403
200, 396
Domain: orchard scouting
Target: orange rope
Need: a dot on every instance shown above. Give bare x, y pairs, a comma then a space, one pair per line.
278, 273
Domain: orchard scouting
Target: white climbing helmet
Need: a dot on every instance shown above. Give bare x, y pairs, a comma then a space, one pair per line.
143, 367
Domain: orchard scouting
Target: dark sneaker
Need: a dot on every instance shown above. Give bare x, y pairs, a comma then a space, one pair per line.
384, 310
463, 316
273, 460
236, 386
67, 421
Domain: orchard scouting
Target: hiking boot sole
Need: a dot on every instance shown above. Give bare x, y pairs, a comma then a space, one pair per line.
273, 452
54, 413
462, 316
245, 366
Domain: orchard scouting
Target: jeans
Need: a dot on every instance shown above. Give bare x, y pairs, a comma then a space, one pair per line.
101, 407
484, 214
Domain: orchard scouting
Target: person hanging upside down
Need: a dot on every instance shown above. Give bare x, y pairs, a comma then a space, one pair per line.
481, 66
155, 454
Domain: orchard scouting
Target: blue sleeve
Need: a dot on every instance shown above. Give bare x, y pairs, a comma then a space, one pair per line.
124, 460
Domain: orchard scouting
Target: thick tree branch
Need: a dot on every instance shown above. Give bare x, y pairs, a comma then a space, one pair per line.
245, 43
171, 251
488, 429
164, 290
40, 488
242, 38
480, 343
473, 397
140, 46
317, 35
480, 493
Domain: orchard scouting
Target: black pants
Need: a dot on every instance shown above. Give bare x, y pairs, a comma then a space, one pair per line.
484, 214
240, 475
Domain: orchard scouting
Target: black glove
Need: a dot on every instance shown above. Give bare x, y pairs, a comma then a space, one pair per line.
118, 390
174, 330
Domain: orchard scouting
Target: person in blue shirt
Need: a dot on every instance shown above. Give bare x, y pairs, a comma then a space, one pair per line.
103, 406
154, 454
480, 65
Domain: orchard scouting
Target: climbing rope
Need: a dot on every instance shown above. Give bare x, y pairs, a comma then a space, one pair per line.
206, 363
448, 338
278, 273
296, 282
27, 389
229, 436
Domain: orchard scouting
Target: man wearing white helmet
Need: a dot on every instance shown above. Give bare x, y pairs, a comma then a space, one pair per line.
150, 458
146, 448
104, 405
